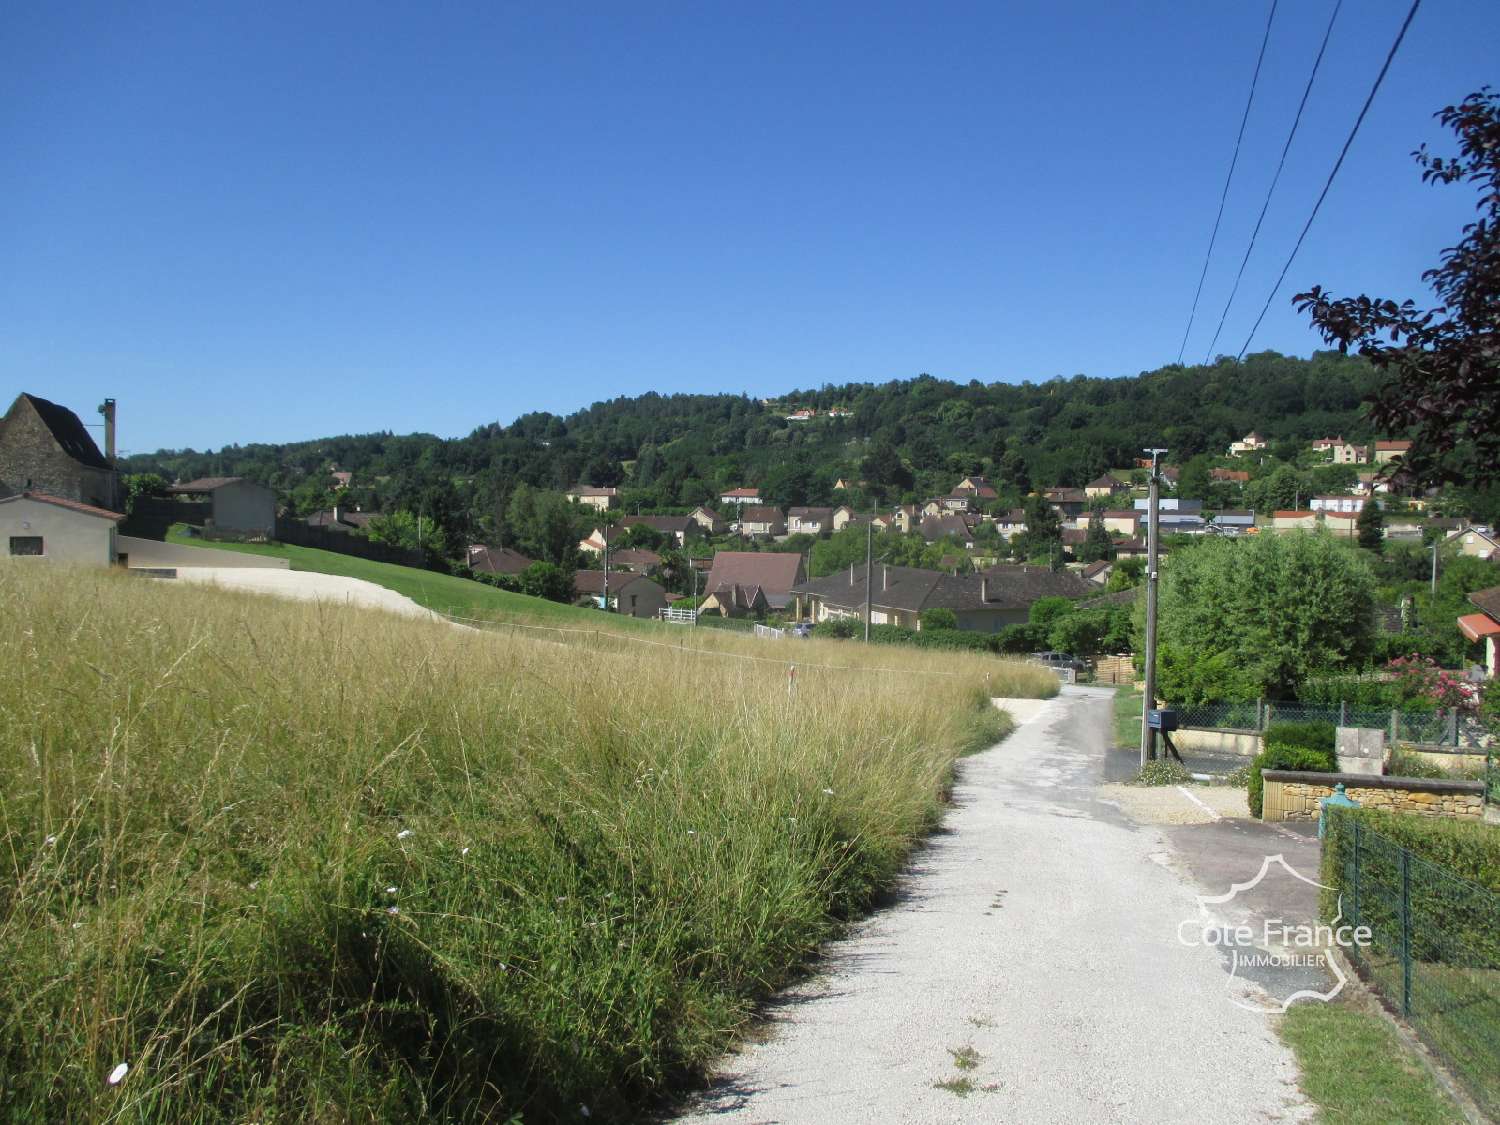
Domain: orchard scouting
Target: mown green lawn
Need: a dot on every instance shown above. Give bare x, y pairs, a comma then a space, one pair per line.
442, 593
1358, 1072
1127, 717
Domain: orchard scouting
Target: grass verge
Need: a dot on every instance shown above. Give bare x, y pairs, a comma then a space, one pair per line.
1127, 716
1358, 1072
320, 864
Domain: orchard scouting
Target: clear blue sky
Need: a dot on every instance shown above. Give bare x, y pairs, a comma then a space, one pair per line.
277, 221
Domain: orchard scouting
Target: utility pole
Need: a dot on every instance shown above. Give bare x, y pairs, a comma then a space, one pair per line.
1153, 529
1434, 566
694, 569
869, 555
605, 606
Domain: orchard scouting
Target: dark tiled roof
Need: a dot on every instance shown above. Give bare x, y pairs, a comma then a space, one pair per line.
760, 514
935, 527
69, 432
591, 490
667, 525
913, 589
811, 515
60, 502
775, 572
204, 484
634, 558
592, 581
1488, 600
1119, 597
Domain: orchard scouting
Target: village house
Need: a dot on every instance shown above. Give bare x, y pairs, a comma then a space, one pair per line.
1371, 482
1343, 524
709, 520
1294, 520
38, 525
1388, 451
677, 528
1337, 504
595, 542
633, 595
1098, 572
1250, 443
45, 448
601, 499
843, 516
883, 523
1068, 502
739, 497
1011, 523
960, 527
1229, 476
342, 479
1484, 626
1233, 521
1472, 541
233, 504
636, 559
985, 602
977, 487
761, 521
1104, 487
1118, 521
751, 583
341, 519
842, 484
809, 521
496, 560
907, 518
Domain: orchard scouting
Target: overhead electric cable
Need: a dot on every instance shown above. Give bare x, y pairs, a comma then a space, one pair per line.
1337, 164
1264, 207
1224, 195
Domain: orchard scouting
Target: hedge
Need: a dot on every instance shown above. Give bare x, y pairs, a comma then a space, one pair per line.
1284, 756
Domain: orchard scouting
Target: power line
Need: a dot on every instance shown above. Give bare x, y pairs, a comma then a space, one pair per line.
1224, 195
1339, 163
1264, 207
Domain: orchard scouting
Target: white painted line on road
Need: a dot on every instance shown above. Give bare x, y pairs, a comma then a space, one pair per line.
1184, 791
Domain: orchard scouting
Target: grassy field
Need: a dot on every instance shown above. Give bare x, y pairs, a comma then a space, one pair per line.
335, 866
1358, 1072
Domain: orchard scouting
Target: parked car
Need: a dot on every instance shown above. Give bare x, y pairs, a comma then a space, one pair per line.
802, 629
1060, 660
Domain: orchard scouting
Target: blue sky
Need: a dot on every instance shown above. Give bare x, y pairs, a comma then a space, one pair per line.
282, 221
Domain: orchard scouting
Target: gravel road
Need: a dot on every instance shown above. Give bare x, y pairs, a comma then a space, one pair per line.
1029, 972
305, 586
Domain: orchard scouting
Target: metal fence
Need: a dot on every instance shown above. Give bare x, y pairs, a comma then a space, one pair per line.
1431, 728
1434, 953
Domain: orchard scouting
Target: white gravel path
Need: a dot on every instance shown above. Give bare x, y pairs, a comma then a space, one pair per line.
306, 586
1039, 931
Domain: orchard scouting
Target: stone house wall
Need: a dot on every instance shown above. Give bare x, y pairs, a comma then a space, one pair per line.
1295, 796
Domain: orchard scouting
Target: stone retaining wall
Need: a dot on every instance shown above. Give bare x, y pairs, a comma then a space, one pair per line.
1290, 795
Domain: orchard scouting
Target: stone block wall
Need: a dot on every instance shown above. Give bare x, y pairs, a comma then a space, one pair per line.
1295, 796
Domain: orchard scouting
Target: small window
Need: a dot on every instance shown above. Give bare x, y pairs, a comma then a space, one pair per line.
26, 544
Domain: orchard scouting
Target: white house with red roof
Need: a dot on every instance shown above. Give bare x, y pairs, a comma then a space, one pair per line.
35, 525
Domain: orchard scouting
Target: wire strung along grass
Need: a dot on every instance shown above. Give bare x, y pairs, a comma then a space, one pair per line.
273, 861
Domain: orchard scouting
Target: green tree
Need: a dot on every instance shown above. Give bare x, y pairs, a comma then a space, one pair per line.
1371, 527
1097, 545
1257, 616
414, 533
138, 485
1047, 611
1128, 573
1281, 488
546, 580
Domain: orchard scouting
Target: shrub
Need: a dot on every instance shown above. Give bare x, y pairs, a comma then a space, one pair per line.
1307, 736
1163, 771
836, 628
1284, 756
939, 619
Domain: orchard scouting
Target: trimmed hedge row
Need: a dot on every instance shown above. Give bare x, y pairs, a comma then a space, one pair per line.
1307, 747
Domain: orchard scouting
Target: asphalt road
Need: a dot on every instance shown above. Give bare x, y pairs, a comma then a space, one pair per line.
1031, 969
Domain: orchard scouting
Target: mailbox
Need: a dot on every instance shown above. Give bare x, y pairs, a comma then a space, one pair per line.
1161, 720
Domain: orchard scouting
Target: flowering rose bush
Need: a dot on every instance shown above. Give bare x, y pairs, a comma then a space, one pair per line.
1419, 681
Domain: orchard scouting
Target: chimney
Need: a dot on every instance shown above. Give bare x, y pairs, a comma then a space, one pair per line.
984, 588
107, 408
885, 577
336, 513
851, 574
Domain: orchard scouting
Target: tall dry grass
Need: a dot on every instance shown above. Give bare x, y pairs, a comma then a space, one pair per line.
305, 864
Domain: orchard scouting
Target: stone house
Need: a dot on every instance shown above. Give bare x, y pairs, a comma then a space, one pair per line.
44, 448
233, 504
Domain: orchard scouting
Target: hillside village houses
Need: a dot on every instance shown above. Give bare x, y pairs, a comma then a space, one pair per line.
1250, 443
761, 521
601, 498
739, 497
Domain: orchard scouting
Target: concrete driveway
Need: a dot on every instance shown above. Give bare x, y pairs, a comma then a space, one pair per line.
1030, 971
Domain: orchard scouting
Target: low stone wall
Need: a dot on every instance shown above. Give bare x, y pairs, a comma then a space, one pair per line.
1290, 795
1214, 740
